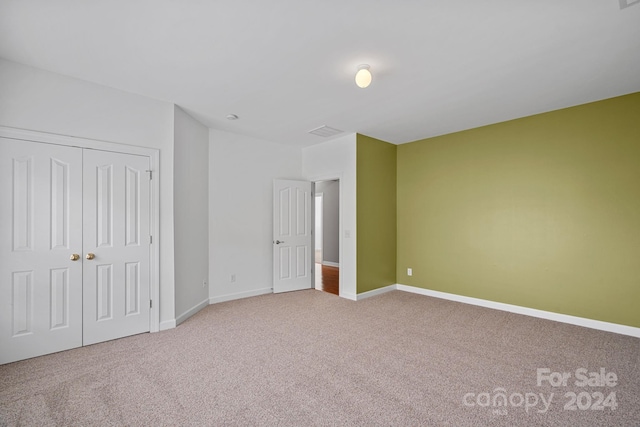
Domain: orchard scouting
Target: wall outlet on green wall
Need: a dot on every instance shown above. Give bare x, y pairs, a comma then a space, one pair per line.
409, 271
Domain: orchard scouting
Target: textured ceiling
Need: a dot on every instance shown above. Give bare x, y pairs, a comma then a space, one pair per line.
287, 66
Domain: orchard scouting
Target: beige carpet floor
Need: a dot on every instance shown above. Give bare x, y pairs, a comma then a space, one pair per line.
309, 358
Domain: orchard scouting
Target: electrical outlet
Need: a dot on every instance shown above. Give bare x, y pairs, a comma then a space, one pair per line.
233, 278
409, 271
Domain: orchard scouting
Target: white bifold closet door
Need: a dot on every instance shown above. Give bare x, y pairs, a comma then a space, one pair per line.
40, 230
116, 238
74, 247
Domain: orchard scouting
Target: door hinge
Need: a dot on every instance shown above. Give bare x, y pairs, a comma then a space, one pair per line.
150, 172
150, 239
150, 303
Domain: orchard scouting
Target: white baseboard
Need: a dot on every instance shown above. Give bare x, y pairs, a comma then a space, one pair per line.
239, 295
564, 318
331, 264
375, 292
167, 324
346, 295
193, 310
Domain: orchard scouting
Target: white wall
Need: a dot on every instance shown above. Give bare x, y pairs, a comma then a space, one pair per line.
336, 159
241, 174
331, 220
318, 220
42, 101
191, 214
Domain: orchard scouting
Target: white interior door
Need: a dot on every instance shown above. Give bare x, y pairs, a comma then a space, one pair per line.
116, 245
40, 231
292, 238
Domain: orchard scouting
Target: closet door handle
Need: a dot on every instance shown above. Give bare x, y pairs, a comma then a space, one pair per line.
74, 257
90, 256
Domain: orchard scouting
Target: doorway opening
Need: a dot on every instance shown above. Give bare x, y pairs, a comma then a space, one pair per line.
327, 236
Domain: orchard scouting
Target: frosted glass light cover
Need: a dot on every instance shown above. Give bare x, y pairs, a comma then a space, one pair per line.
363, 77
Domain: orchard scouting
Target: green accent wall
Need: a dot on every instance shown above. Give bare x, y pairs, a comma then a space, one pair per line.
541, 212
375, 213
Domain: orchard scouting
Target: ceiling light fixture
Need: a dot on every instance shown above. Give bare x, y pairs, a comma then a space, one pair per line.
363, 76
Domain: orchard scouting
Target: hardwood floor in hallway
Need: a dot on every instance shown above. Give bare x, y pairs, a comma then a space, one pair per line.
327, 279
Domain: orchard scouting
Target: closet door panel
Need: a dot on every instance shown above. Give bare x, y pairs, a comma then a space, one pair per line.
116, 239
40, 231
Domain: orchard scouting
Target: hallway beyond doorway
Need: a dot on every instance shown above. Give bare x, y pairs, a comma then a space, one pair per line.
327, 279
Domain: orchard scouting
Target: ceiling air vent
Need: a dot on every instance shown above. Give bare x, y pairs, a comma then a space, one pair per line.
325, 131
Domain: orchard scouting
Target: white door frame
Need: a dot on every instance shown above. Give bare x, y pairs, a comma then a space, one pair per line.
331, 177
154, 158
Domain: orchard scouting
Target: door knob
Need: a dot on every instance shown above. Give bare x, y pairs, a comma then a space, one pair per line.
279, 241
74, 257
90, 256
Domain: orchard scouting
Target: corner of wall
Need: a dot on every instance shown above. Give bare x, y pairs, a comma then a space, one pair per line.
376, 171
191, 213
